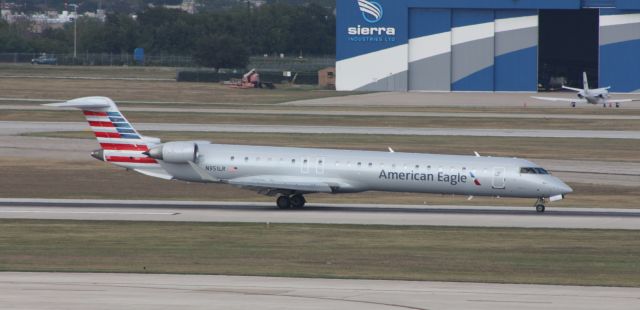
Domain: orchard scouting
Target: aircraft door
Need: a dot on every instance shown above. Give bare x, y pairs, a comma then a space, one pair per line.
320, 165
499, 178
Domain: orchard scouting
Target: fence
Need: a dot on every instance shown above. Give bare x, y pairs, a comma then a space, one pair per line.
270, 63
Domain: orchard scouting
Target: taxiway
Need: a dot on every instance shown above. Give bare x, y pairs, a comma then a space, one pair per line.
97, 291
364, 214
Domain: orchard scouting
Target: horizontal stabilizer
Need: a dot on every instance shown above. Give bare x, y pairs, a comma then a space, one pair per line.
571, 88
84, 103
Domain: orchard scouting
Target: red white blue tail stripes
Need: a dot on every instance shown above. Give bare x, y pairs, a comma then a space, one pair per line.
121, 143
119, 140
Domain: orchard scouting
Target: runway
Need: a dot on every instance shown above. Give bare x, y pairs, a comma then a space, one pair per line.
338, 112
22, 127
97, 291
364, 214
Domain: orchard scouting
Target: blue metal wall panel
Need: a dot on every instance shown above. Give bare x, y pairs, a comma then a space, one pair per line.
517, 71
628, 4
598, 3
424, 22
516, 62
472, 60
620, 66
479, 81
620, 50
463, 18
429, 50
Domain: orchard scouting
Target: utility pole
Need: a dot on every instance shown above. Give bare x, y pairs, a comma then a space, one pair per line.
75, 31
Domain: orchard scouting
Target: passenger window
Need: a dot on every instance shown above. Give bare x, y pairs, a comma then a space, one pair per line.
359, 164
417, 166
370, 164
246, 159
232, 158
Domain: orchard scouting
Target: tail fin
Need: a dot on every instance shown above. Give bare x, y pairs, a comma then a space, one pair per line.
120, 143
585, 81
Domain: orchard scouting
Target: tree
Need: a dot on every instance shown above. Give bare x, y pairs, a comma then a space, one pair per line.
221, 51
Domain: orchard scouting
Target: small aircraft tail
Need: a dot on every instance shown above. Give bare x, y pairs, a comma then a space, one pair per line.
585, 81
120, 143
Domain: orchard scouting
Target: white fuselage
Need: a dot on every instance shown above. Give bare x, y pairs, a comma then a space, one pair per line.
595, 96
356, 171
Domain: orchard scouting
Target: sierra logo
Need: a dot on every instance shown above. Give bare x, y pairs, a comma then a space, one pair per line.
372, 12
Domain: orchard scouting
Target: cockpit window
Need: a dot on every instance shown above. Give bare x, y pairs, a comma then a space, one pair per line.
533, 170
541, 171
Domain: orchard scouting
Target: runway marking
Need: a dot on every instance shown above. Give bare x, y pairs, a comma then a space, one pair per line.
89, 212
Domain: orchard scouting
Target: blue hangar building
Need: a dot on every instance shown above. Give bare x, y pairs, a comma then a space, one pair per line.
486, 45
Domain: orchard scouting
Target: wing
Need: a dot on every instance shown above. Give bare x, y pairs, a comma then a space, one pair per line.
561, 99
270, 184
622, 100
571, 88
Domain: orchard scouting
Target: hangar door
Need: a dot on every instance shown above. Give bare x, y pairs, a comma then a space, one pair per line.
473, 50
430, 49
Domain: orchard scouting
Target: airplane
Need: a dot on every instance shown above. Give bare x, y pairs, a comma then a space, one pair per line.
589, 96
290, 173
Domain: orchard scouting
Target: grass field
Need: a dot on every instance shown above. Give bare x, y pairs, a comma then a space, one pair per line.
375, 121
164, 91
24, 70
541, 256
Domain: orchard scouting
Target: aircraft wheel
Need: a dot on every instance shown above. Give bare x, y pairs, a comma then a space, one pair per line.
617, 104
297, 201
283, 202
604, 105
540, 208
573, 104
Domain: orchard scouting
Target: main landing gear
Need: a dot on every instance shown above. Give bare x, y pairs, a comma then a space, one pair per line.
540, 205
296, 201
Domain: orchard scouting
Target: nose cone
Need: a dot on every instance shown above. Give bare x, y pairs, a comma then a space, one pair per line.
563, 188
